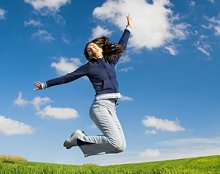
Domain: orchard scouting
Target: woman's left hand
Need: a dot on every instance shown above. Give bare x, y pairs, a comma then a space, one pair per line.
129, 21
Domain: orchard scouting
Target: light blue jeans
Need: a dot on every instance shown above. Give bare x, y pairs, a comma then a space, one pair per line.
103, 114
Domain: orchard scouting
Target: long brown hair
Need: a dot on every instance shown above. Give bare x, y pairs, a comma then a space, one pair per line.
109, 50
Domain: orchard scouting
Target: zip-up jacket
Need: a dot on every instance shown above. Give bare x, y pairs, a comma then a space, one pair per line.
100, 72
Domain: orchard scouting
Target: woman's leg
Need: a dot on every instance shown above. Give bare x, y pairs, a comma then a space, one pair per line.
119, 127
103, 113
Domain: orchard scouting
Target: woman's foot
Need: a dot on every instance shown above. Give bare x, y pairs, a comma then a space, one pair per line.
72, 140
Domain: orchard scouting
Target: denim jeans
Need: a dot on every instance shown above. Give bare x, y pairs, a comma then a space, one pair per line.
103, 114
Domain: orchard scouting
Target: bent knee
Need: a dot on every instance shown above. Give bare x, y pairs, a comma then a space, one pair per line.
119, 147
122, 148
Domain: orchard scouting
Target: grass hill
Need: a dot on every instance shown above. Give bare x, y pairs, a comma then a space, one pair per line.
200, 165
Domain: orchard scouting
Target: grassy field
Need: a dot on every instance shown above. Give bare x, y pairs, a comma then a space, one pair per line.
201, 165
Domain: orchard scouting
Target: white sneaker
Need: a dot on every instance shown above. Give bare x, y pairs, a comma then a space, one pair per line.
72, 140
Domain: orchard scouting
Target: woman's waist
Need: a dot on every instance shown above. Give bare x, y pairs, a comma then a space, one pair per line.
108, 96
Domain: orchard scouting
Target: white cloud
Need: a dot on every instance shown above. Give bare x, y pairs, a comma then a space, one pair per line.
38, 101
162, 124
12, 127
65, 65
32, 22
179, 31
58, 113
150, 132
20, 101
172, 50
100, 31
43, 36
154, 24
126, 98
47, 111
214, 23
203, 47
124, 59
150, 153
59, 19
217, 29
126, 69
51, 5
2, 14
203, 50
66, 39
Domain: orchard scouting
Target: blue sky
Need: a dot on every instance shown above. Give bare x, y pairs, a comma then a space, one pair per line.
168, 76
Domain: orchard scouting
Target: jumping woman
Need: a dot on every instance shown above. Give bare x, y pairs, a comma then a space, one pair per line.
102, 57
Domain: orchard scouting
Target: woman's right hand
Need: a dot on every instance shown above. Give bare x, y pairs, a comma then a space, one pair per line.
39, 85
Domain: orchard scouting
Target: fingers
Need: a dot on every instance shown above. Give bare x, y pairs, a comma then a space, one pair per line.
129, 20
38, 85
128, 17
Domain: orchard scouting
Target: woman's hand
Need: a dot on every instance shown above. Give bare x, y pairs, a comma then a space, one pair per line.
129, 21
39, 85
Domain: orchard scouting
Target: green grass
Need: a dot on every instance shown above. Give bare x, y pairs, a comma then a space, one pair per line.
201, 165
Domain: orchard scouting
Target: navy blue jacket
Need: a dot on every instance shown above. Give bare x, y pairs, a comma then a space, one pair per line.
100, 72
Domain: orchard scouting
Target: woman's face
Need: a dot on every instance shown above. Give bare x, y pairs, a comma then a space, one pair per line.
94, 51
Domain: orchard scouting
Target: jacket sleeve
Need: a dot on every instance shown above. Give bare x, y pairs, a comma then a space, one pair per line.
81, 71
124, 40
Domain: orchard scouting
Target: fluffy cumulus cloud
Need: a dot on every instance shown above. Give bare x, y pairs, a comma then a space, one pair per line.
51, 5
158, 124
20, 101
58, 113
12, 127
155, 25
66, 65
100, 31
37, 102
43, 36
2, 13
44, 110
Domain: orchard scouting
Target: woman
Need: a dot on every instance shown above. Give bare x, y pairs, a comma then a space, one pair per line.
102, 57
